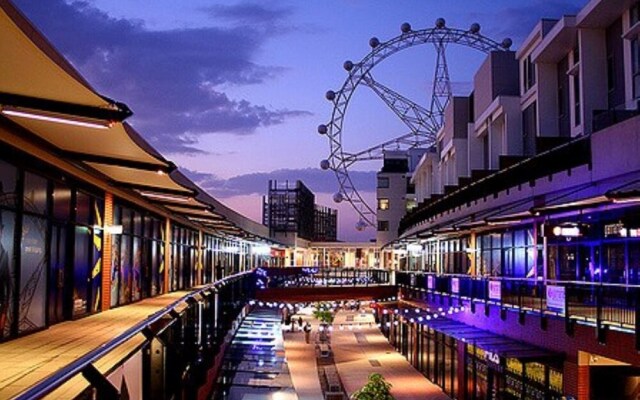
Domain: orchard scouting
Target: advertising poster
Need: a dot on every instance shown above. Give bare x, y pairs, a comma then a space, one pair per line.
7, 271
495, 290
556, 298
32, 274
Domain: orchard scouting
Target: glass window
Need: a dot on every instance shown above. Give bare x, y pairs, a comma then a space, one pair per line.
35, 193
7, 271
8, 178
383, 182
634, 14
383, 204
83, 208
577, 115
529, 129
383, 226
529, 73
635, 66
61, 201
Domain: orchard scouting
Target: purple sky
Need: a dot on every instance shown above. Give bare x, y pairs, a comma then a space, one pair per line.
232, 91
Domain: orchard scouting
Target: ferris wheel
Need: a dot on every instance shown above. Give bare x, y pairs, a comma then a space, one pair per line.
423, 123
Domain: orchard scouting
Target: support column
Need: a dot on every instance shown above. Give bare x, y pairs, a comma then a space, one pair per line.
472, 254
167, 255
107, 242
199, 258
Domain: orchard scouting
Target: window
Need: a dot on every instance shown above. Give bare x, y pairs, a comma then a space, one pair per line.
635, 67
528, 73
383, 183
411, 204
634, 14
576, 100
383, 204
383, 226
529, 129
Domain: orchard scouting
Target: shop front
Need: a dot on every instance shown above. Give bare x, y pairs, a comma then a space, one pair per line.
470, 363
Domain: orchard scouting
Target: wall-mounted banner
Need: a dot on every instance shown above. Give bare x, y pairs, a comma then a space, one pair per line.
430, 282
455, 285
495, 290
556, 298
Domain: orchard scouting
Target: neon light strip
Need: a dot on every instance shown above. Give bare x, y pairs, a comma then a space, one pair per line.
59, 120
166, 197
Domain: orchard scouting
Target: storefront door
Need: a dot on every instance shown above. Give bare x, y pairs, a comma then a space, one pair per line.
57, 274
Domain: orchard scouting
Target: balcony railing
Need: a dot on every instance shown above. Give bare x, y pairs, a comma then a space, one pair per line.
181, 341
600, 304
320, 277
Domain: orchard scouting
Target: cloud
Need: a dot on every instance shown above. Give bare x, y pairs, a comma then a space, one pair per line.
317, 180
266, 18
171, 79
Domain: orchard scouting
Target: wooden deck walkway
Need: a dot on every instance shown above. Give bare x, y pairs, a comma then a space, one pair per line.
27, 360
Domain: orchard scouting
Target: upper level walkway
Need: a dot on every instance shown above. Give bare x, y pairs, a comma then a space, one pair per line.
29, 359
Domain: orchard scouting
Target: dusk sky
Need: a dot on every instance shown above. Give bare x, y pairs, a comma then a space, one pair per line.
233, 91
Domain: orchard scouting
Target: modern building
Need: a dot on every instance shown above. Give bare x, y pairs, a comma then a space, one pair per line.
395, 192
91, 216
290, 212
526, 235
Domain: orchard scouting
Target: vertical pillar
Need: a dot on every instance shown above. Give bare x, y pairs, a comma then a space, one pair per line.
167, 255
107, 242
199, 259
584, 388
472, 254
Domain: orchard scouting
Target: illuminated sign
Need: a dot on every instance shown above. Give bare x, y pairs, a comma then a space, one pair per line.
495, 290
455, 285
492, 357
615, 230
430, 282
566, 231
556, 298
413, 280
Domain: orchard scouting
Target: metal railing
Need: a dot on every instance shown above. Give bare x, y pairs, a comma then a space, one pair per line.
320, 277
186, 333
601, 304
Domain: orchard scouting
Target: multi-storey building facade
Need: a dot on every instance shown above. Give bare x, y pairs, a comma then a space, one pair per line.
290, 212
91, 216
535, 234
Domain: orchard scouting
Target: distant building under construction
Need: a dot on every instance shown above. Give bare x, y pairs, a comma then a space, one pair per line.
290, 210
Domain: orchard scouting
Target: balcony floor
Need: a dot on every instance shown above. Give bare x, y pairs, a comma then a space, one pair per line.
31, 358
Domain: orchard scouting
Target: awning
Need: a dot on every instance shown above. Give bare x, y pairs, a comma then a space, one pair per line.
574, 199
141, 179
627, 193
499, 345
34, 76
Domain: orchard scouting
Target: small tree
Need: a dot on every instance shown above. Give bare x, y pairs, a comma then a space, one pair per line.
375, 389
323, 313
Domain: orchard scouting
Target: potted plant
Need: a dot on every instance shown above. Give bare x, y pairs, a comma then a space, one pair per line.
375, 389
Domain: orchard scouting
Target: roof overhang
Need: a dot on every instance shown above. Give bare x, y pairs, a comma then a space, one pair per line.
558, 42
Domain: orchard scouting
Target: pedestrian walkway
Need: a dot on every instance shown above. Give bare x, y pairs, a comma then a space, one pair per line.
301, 358
27, 360
254, 365
364, 350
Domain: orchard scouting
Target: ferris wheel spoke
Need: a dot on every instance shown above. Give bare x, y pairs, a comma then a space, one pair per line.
441, 92
416, 117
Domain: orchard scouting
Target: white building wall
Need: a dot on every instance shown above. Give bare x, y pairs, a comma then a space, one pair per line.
593, 74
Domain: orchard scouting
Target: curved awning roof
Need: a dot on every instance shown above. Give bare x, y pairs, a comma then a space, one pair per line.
32, 69
50, 104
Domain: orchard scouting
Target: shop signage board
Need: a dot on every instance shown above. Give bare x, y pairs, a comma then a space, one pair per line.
556, 298
455, 285
430, 282
413, 280
495, 290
